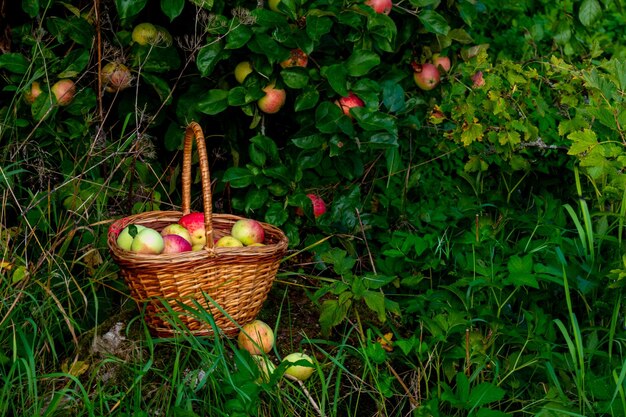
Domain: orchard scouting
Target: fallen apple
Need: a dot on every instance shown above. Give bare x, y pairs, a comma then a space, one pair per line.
175, 244
147, 241
273, 99
248, 231
266, 368
194, 223
33, 92
115, 77
256, 337
64, 91
126, 236
300, 372
228, 242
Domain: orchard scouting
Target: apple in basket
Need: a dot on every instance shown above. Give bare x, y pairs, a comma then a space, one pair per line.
256, 337
140, 239
176, 229
194, 223
175, 244
228, 242
248, 231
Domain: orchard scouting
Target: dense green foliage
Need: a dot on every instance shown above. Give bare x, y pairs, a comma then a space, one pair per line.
471, 259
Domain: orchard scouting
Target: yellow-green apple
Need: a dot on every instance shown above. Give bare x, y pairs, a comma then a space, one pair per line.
115, 77
297, 58
442, 62
175, 244
348, 102
273, 99
194, 223
228, 242
478, 80
145, 33
319, 207
242, 70
197, 247
380, 6
31, 94
266, 368
64, 91
148, 241
126, 236
300, 372
248, 231
256, 337
176, 229
426, 76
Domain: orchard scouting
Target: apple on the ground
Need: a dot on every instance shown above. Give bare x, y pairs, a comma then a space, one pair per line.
256, 337
300, 372
248, 231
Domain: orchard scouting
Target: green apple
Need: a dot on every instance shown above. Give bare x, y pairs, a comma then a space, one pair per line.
126, 236
242, 70
300, 372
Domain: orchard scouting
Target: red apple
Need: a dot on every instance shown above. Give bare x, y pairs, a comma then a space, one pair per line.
194, 223
319, 207
442, 62
31, 95
256, 337
115, 77
297, 58
348, 102
380, 6
273, 99
426, 76
478, 80
147, 241
248, 231
64, 91
300, 372
175, 244
228, 242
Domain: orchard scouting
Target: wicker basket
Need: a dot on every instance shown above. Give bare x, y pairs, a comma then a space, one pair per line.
230, 284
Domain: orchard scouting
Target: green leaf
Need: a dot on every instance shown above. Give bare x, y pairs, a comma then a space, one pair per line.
238, 177
393, 96
14, 62
337, 77
318, 26
434, 22
256, 198
521, 271
473, 133
583, 141
372, 120
333, 312
30, 7
172, 8
238, 36
375, 300
216, 101
129, 8
160, 86
76, 62
276, 215
486, 412
361, 62
208, 56
309, 142
295, 77
266, 145
485, 393
307, 99
330, 119
589, 12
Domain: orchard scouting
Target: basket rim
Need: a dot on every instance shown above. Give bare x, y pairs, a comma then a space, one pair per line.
278, 247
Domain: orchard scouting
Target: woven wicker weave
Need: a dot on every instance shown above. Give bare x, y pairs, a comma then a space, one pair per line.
229, 283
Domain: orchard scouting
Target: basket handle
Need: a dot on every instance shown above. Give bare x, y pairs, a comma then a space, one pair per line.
194, 130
